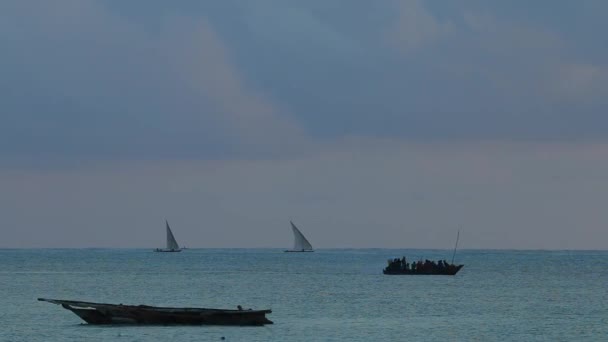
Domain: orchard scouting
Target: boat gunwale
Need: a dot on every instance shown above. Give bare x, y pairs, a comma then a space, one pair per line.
97, 306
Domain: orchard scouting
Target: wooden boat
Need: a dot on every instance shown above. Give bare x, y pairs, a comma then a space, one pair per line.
300, 243
401, 267
172, 245
98, 313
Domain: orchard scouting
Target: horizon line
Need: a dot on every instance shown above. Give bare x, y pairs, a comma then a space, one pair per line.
329, 248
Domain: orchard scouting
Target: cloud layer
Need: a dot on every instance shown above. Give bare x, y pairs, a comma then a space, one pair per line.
113, 79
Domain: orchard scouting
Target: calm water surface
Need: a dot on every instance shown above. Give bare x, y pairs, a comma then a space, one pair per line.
329, 295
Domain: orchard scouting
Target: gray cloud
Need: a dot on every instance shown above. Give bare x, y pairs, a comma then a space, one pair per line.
84, 81
415, 27
113, 80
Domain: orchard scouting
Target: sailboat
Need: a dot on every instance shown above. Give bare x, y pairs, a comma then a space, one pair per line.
172, 245
300, 243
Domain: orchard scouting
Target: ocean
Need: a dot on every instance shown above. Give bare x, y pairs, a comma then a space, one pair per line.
328, 295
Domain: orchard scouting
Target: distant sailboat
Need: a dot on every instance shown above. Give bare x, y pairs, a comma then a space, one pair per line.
172, 245
300, 243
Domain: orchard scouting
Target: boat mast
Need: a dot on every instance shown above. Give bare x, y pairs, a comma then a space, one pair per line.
454, 254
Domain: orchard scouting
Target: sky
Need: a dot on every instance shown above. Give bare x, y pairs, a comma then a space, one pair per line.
384, 124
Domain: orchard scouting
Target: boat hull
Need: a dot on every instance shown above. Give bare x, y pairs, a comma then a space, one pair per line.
167, 250
97, 313
302, 251
447, 271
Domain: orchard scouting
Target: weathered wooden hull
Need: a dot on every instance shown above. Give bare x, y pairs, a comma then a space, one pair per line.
98, 313
447, 271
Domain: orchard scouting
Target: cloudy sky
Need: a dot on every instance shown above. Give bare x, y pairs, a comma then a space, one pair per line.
369, 123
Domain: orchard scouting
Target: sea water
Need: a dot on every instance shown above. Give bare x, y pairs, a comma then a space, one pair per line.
328, 295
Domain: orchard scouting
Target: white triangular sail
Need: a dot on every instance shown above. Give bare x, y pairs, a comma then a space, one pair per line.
171, 243
300, 243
